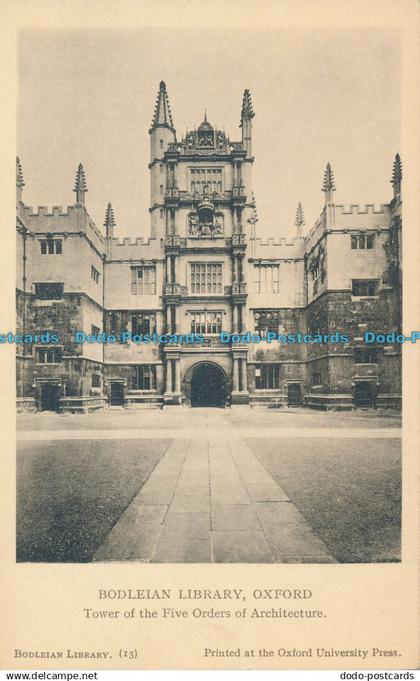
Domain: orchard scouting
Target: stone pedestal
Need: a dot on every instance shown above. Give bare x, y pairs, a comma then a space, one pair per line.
240, 398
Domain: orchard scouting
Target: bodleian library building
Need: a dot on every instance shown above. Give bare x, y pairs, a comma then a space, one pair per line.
203, 271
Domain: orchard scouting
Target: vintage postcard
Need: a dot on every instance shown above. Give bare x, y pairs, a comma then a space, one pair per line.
210, 335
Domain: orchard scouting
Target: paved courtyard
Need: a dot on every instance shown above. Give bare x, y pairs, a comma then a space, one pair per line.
209, 485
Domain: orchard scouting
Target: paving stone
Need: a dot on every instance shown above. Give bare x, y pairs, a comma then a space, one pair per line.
274, 514
224, 469
183, 503
196, 463
254, 476
192, 479
168, 467
241, 547
159, 490
266, 492
134, 535
193, 525
228, 490
163, 482
234, 517
186, 551
212, 500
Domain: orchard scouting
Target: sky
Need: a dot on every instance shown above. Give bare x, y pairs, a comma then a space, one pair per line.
319, 95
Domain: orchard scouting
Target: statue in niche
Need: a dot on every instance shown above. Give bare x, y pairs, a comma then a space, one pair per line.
205, 139
217, 227
193, 226
204, 226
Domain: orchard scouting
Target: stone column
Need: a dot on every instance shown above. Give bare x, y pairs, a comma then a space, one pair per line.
174, 319
168, 319
240, 319
240, 270
234, 318
237, 279
159, 377
244, 377
238, 221
235, 375
168, 376
177, 376
168, 269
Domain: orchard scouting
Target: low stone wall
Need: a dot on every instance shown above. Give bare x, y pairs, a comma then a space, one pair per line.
82, 405
329, 402
271, 400
389, 402
139, 400
25, 405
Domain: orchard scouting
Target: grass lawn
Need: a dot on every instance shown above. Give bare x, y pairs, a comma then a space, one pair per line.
71, 493
348, 491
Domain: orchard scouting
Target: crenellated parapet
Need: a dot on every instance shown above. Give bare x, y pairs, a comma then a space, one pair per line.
61, 220
361, 209
278, 249
136, 249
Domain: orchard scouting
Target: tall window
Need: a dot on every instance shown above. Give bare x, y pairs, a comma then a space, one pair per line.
364, 287
96, 380
266, 321
361, 242
143, 323
206, 322
266, 278
49, 291
267, 376
51, 246
94, 274
143, 378
315, 271
209, 178
206, 278
316, 378
143, 280
365, 355
48, 355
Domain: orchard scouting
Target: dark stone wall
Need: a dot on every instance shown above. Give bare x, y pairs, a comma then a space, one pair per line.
339, 311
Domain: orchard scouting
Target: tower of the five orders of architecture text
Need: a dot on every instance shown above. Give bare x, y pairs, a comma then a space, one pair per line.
203, 271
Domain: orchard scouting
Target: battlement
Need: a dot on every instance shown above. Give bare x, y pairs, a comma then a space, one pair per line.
136, 249
359, 209
45, 211
282, 241
277, 249
128, 241
61, 219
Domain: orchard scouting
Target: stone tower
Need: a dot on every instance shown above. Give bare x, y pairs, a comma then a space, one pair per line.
162, 134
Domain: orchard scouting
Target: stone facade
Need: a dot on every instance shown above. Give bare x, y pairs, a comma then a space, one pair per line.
203, 270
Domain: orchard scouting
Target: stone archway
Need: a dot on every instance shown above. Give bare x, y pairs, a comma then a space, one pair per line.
208, 385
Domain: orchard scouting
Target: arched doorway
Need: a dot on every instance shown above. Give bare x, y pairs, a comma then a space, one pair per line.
208, 386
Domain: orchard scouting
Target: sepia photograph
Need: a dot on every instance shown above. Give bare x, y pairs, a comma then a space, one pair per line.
209, 295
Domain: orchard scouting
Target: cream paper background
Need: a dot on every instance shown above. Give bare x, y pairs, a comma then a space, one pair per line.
367, 605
